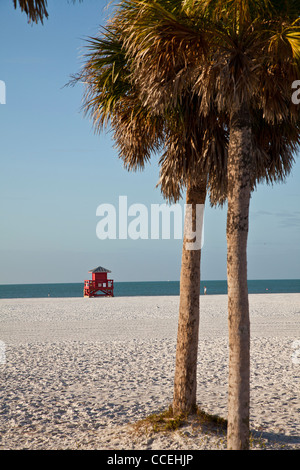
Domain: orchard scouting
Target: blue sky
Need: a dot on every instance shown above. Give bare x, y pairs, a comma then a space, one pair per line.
55, 172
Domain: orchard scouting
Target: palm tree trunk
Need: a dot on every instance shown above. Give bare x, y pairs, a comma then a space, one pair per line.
239, 168
185, 381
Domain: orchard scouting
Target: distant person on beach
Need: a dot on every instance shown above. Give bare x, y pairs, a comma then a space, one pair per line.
204, 290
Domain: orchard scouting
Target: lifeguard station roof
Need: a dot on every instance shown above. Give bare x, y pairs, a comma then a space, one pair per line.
100, 270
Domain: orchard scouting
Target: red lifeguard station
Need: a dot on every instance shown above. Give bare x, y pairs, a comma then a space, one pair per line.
99, 286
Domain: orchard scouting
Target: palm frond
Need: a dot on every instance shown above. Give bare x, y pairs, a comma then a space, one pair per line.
36, 10
165, 75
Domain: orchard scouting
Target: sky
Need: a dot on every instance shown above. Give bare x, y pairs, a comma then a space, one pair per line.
55, 172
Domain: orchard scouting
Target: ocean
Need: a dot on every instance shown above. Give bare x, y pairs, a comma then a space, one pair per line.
128, 289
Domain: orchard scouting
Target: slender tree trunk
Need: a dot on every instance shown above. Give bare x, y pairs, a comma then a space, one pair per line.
185, 381
239, 173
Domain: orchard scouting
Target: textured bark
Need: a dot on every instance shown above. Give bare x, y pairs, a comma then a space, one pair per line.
185, 381
239, 173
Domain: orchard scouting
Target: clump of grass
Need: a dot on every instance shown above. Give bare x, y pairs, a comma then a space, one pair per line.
163, 421
256, 442
168, 421
213, 422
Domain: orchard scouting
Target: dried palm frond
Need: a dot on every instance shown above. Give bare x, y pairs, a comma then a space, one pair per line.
36, 10
219, 51
152, 79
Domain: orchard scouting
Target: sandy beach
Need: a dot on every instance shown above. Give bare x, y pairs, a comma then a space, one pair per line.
78, 373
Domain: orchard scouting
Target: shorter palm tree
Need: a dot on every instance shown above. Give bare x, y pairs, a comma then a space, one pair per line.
186, 143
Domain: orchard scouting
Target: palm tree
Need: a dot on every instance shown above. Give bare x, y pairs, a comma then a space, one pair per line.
110, 97
206, 45
241, 57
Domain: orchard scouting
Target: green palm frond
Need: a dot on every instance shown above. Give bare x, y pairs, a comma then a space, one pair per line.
105, 76
111, 100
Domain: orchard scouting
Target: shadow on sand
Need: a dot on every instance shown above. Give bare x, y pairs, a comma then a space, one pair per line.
278, 438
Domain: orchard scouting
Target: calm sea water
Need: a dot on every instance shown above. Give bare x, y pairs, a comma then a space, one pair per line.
127, 289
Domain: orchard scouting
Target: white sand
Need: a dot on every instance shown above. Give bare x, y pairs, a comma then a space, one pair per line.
77, 373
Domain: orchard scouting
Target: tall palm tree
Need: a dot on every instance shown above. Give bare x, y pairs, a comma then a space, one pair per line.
243, 58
